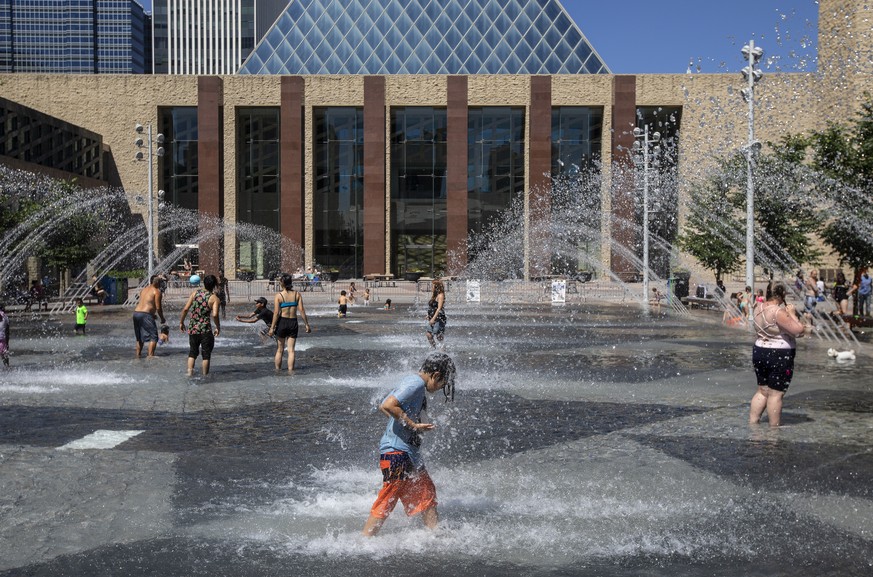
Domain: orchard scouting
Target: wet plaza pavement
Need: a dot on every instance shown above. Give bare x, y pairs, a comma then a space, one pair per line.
584, 440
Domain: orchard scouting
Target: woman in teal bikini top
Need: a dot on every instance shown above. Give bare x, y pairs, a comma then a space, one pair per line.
287, 304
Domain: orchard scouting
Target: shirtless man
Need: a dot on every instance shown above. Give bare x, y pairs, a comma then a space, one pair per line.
144, 326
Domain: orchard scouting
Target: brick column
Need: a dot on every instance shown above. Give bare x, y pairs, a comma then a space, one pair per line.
456, 175
210, 171
624, 119
539, 165
374, 175
291, 201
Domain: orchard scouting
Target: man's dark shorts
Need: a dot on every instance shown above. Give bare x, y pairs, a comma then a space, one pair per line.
202, 342
145, 328
773, 367
287, 328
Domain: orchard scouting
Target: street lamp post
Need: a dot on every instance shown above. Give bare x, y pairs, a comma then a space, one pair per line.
647, 141
752, 74
159, 139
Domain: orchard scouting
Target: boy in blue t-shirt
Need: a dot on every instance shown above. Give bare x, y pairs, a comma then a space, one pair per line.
81, 317
404, 476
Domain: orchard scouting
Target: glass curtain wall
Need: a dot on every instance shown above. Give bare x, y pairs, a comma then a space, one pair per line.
178, 170
495, 167
120, 37
7, 60
576, 194
339, 190
418, 190
663, 185
258, 190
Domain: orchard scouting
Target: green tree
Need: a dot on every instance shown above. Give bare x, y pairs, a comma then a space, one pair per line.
711, 230
14, 209
79, 236
843, 155
787, 213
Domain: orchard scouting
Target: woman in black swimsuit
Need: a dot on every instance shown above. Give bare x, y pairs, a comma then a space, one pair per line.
436, 314
841, 294
287, 304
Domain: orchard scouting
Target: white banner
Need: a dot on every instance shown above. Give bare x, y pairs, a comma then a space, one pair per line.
472, 291
559, 292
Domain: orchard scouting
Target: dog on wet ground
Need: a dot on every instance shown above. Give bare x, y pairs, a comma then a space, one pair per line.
841, 355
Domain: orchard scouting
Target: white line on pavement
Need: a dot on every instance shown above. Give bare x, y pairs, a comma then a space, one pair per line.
101, 439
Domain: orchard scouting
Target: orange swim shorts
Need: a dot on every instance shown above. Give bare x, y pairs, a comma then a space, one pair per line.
401, 481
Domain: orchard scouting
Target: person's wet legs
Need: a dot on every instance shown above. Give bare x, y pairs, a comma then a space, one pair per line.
372, 526
430, 517
291, 354
774, 408
759, 403
766, 398
280, 350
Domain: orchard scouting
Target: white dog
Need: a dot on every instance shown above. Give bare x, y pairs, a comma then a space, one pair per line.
841, 355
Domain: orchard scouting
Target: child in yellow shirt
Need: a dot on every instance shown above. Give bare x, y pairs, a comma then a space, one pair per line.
81, 317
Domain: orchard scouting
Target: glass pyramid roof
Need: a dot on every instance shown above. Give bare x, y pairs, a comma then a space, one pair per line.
424, 37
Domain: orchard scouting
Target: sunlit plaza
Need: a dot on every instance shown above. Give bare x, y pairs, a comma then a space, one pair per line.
594, 233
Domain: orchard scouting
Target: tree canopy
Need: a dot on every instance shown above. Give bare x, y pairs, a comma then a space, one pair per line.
818, 184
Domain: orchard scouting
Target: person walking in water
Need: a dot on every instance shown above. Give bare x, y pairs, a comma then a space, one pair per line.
776, 329
222, 291
343, 305
203, 306
810, 291
149, 305
436, 314
841, 294
262, 313
404, 476
286, 305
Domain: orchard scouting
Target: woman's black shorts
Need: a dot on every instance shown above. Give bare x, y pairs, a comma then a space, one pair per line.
773, 367
202, 343
287, 328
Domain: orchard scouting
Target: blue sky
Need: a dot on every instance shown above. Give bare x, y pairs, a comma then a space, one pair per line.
662, 36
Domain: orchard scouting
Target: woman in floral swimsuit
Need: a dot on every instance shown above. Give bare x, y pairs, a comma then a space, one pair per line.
201, 336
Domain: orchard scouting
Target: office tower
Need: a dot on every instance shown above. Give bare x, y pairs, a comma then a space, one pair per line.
209, 36
72, 36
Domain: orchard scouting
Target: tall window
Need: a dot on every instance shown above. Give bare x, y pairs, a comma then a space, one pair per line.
258, 187
339, 190
178, 170
576, 192
418, 190
576, 136
663, 185
495, 167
